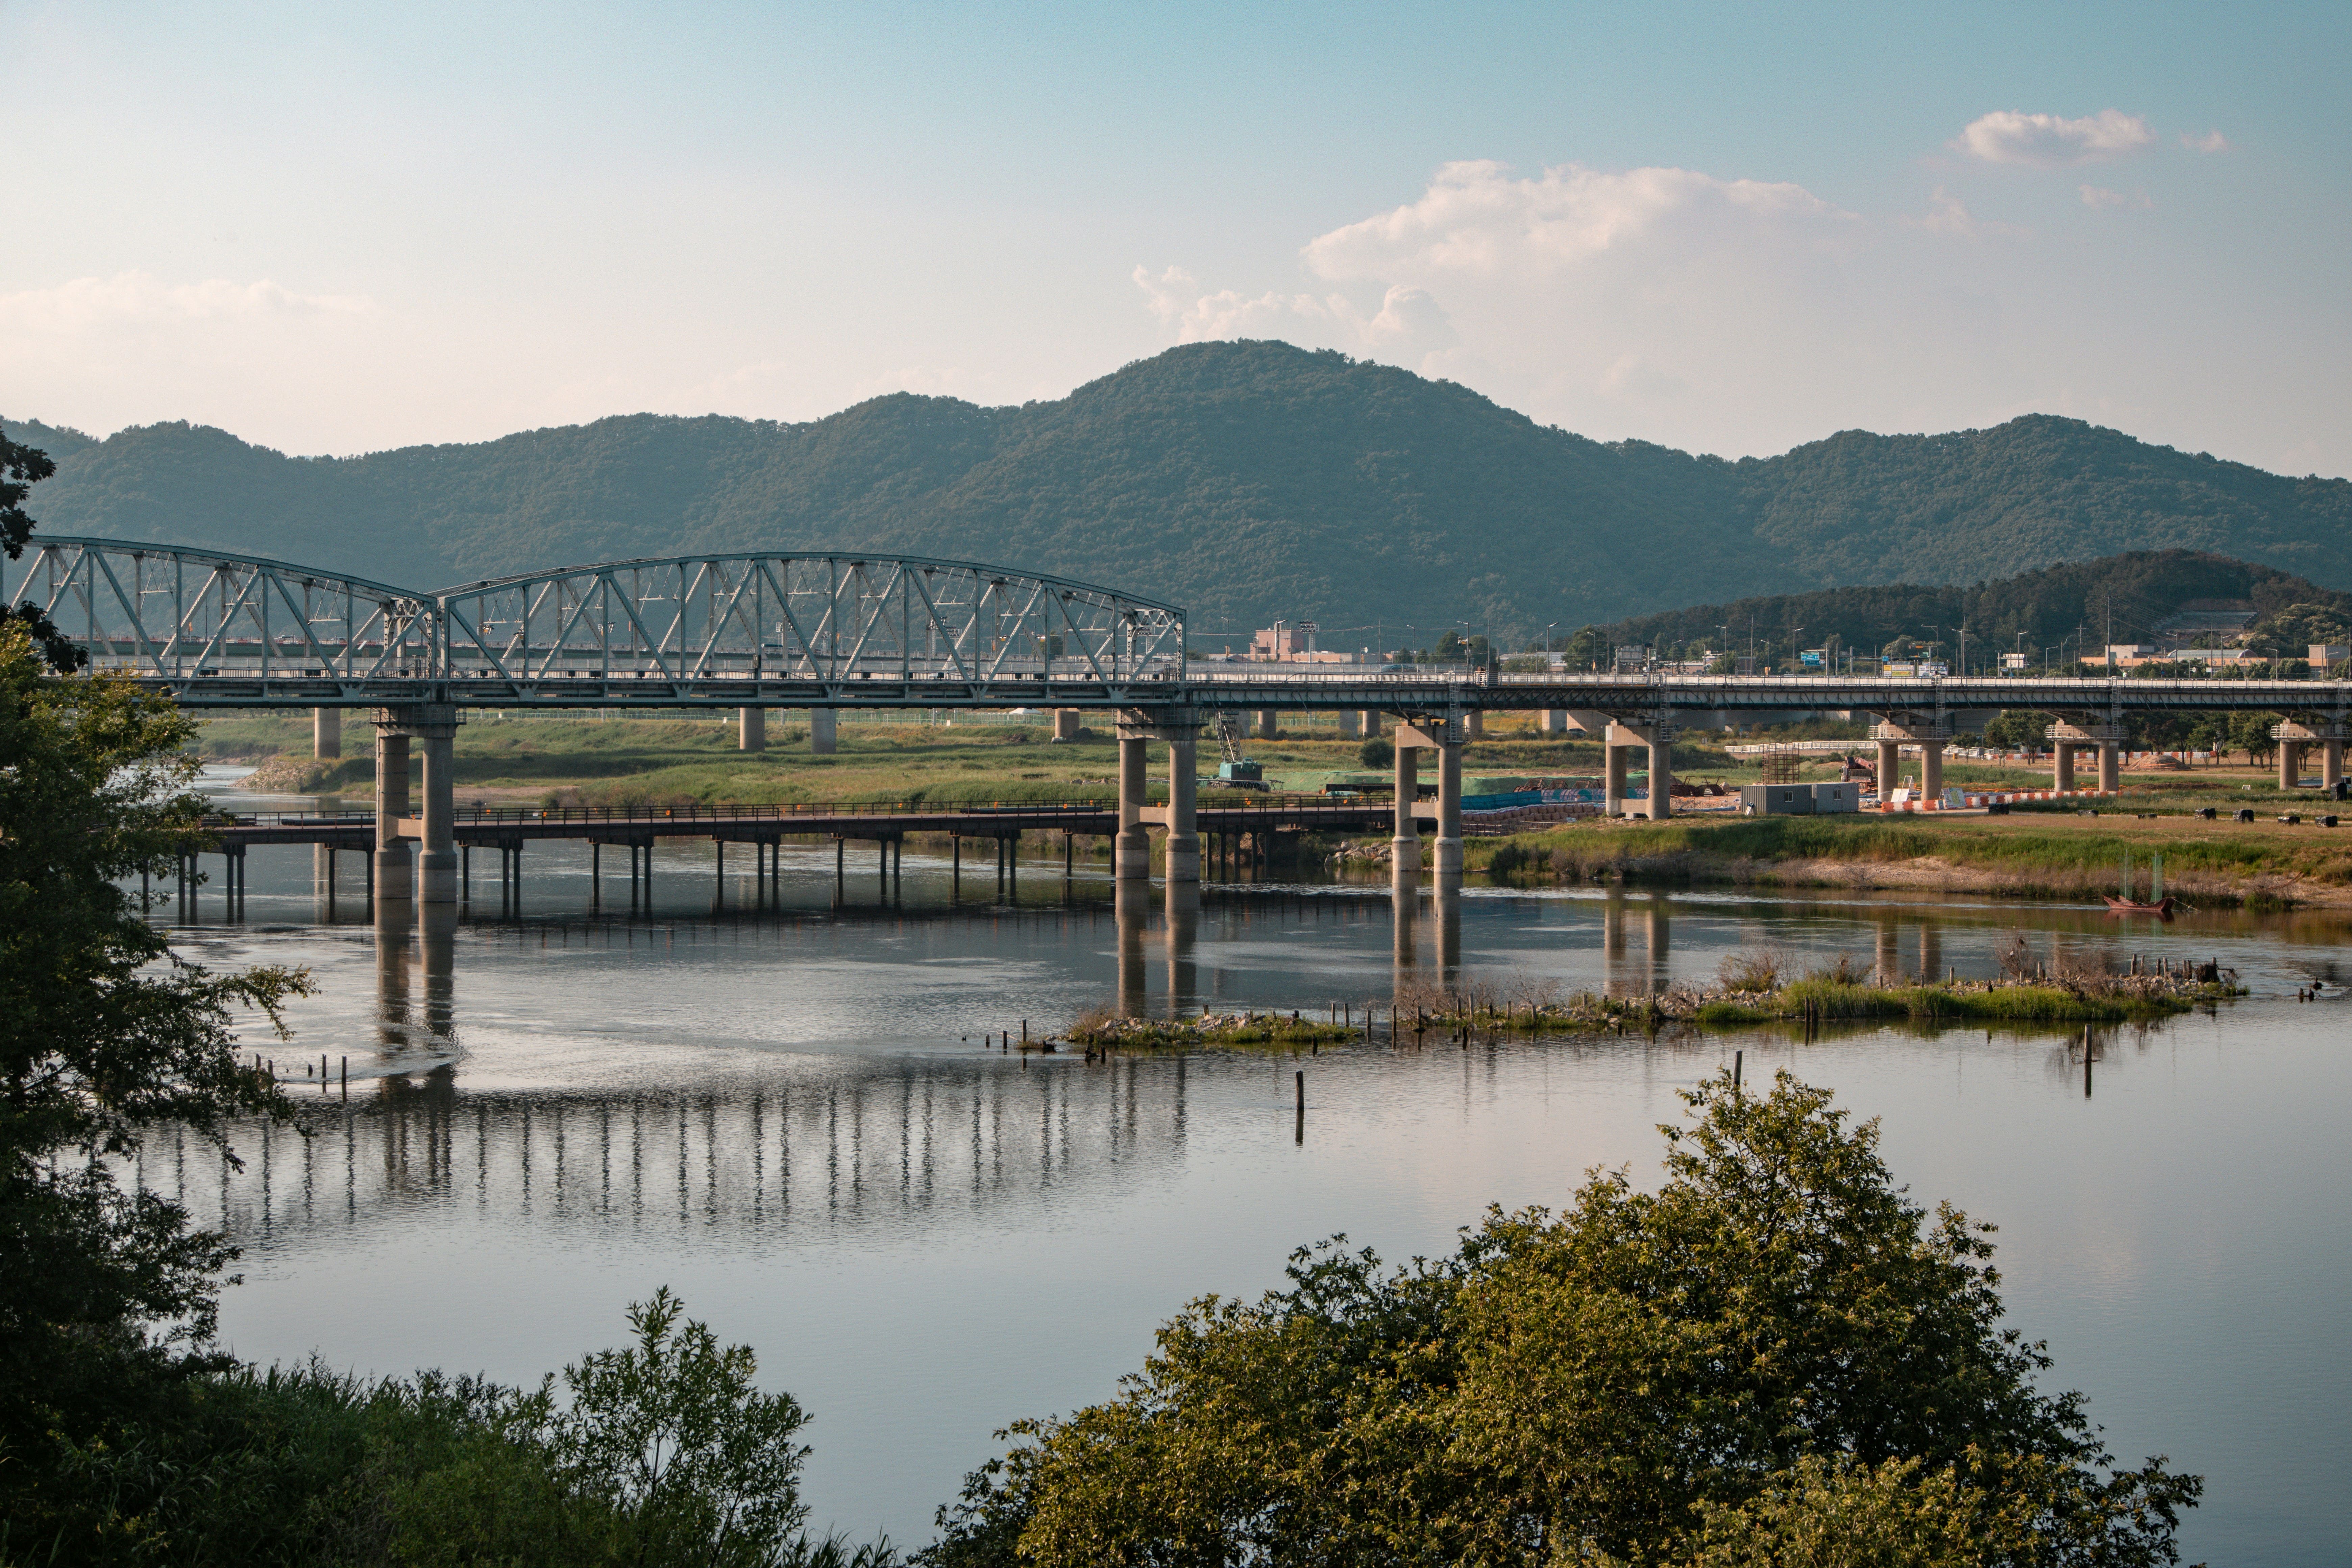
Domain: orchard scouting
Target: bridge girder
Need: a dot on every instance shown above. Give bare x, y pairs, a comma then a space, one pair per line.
829, 617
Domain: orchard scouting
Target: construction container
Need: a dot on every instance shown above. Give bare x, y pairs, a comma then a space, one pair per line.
1776, 799
1843, 795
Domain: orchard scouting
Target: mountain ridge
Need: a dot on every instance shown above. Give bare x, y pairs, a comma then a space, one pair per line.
1244, 480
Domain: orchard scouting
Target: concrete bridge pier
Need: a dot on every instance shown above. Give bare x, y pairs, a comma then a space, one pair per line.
751, 729
1351, 724
1554, 722
1474, 724
821, 732
1890, 767
326, 732
1930, 736
2295, 738
1446, 738
1404, 848
1270, 724
393, 882
1183, 780
1131, 850
2107, 737
1658, 741
1066, 724
1371, 720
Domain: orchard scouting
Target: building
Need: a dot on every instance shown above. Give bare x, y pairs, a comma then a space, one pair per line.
2329, 653
2017, 661
1280, 642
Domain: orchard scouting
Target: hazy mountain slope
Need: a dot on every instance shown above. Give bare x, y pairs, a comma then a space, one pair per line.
1243, 480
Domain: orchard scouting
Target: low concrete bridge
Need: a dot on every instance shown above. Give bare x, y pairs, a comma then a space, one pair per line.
765, 828
825, 631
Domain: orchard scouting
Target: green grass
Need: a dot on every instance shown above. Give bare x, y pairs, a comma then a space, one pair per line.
2063, 854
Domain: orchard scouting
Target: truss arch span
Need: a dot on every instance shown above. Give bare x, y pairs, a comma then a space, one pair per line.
829, 617
162, 610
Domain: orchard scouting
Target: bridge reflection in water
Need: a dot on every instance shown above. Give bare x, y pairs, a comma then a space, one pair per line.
807, 1136
846, 1140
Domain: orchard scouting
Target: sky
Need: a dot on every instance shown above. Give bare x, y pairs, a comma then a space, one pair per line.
1727, 228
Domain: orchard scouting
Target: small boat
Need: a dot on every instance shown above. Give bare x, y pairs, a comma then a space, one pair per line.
2125, 905
2129, 902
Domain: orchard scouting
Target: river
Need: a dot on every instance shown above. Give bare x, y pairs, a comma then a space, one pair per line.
790, 1116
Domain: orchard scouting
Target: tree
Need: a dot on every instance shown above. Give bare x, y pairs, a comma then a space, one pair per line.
104, 1033
21, 467
1587, 651
671, 1434
1376, 751
2251, 733
1774, 1341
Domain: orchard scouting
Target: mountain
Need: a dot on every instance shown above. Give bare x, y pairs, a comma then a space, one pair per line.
2118, 598
1243, 481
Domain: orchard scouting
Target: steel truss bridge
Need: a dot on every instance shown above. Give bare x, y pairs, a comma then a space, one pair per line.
838, 629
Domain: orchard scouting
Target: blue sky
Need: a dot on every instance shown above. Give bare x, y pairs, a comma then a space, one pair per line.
1720, 227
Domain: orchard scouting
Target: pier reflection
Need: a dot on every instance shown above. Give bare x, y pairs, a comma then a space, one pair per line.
846, 1141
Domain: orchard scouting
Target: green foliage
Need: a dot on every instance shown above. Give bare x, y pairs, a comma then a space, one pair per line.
103, 1034
2038, 610
1773, 1357
21, 467
1378, 752
673, 1435
661, 1453
1244, 480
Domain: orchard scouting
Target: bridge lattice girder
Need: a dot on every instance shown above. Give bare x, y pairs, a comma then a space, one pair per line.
173, 613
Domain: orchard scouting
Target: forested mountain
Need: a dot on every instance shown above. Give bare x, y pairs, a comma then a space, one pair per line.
2083, 605
1245, 481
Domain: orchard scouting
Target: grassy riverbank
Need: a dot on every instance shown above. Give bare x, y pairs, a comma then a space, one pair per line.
2260, 864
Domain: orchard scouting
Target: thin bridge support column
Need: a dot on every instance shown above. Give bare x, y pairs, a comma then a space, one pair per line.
821, 732
2111, 766
1660, 744
1449, 803
1183, 838
392, 859
326, 732
1612, 773
1931, 768
751, 729
1890, 768
1404, 848
2331, 764
2061, 766
1350, 723
436, 862
1132, 852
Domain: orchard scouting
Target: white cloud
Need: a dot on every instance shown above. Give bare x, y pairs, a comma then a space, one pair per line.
1662, 302
2051, 142
1407, 326
2212, 142
142, 298
1475, 220
2100, 196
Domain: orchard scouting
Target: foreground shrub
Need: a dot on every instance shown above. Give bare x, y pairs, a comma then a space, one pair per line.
1773, 1358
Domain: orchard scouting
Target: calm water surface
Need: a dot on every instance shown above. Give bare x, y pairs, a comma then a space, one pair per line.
789, 1116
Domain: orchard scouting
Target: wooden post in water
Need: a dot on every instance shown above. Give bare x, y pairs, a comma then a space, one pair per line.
1738, 1058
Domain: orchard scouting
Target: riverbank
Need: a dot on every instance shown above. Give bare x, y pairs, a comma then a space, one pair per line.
2264, 864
